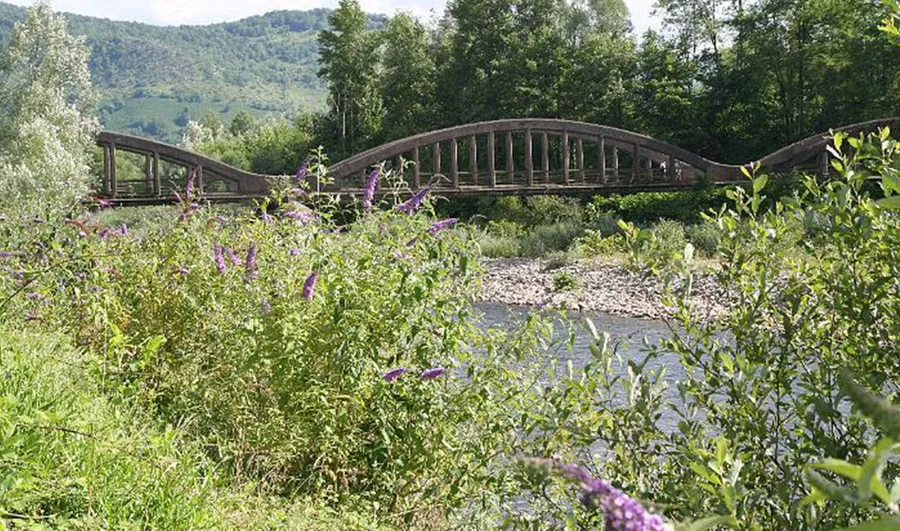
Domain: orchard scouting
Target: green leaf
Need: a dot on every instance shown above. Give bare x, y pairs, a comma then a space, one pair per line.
885, 415
870, 480
759, 183
891, 523
708, 523
889, 203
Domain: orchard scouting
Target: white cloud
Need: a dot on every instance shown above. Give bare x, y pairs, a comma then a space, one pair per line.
175, 12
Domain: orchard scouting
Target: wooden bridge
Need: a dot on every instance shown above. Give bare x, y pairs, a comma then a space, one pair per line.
527, 156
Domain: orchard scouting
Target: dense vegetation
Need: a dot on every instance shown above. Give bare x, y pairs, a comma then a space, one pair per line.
322, 365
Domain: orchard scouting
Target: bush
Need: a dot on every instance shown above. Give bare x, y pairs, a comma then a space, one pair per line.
686, 206
545, 239
705, 236
551, 209
670, 236
498, 246
558, 260
565, 281
593, 244
74, 458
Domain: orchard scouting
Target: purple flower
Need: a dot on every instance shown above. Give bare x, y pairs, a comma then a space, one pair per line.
301, 172
441, 225
264, 216
33, 296
303, 217
250, 263
189, 187
413, 202
294, 252
309, 286
123, 230
103, 233
219, 257
103, 203
183, 270
232, 257
265, 307
369, 190
623, 513
393, 374
398, 255
222, 220
4, 254
431, 374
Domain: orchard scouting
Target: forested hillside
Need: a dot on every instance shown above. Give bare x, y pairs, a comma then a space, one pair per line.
154, 79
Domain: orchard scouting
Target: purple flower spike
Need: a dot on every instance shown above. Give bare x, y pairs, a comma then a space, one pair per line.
250, 263
369, 191
294, 252
302, 217
219, 257
183, 270
232, 257
265, 217
413, 202
309, 287
431, 374
189, 187
4, 254
441, 225
393, 374
301, 172
123, 230
623, 513
265, 307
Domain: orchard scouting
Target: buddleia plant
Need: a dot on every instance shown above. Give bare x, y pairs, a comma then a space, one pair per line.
864, 485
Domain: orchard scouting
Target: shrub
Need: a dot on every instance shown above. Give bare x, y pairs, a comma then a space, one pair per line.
705, 236
594, 243
498, 246
565, 281
686, 206
558, 260
505, 229
670, 236
548, 238
550, 209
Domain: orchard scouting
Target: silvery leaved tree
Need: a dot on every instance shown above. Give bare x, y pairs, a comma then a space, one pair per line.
46, 121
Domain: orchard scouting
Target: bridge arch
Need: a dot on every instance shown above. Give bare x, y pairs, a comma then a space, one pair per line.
523, 156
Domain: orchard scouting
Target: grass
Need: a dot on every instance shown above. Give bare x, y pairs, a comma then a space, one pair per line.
73, 457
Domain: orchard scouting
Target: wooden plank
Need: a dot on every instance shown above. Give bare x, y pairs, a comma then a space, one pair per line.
565, 157
545, 157
529, 163
417, 171
491, 159
579, 155
510, 163
473, 159
436, 150
601, 158
454, 162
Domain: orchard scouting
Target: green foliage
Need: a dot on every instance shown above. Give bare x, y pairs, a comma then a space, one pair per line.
565, 281
595, 244
268, 148
46, 130
705, 236
74, 458
686, 206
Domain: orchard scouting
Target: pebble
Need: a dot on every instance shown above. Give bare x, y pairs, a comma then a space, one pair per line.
607, 288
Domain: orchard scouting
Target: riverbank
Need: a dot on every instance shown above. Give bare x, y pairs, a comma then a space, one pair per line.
604, 287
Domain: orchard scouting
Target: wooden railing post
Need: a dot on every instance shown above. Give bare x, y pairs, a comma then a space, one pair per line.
601, 158
157, 179
436, 150
670, 168
491, 160
148, 173
579, 156
454, 162
529, 163
635, 163
510, 163
565, 156
616, 165
106, 170
545, 157
417, 173
398, 165
473, 159
113, 179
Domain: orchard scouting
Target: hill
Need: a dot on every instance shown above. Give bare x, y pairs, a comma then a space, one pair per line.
154, 78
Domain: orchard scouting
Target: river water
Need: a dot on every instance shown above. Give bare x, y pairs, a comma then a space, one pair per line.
634, 337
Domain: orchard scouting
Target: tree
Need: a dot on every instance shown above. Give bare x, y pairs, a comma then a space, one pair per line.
349, 62
47, 126
407, 78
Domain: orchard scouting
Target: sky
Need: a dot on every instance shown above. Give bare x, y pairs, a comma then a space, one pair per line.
176, 12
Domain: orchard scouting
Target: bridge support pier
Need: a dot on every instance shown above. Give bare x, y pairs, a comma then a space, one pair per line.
491, 160
529, 162
601, 159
